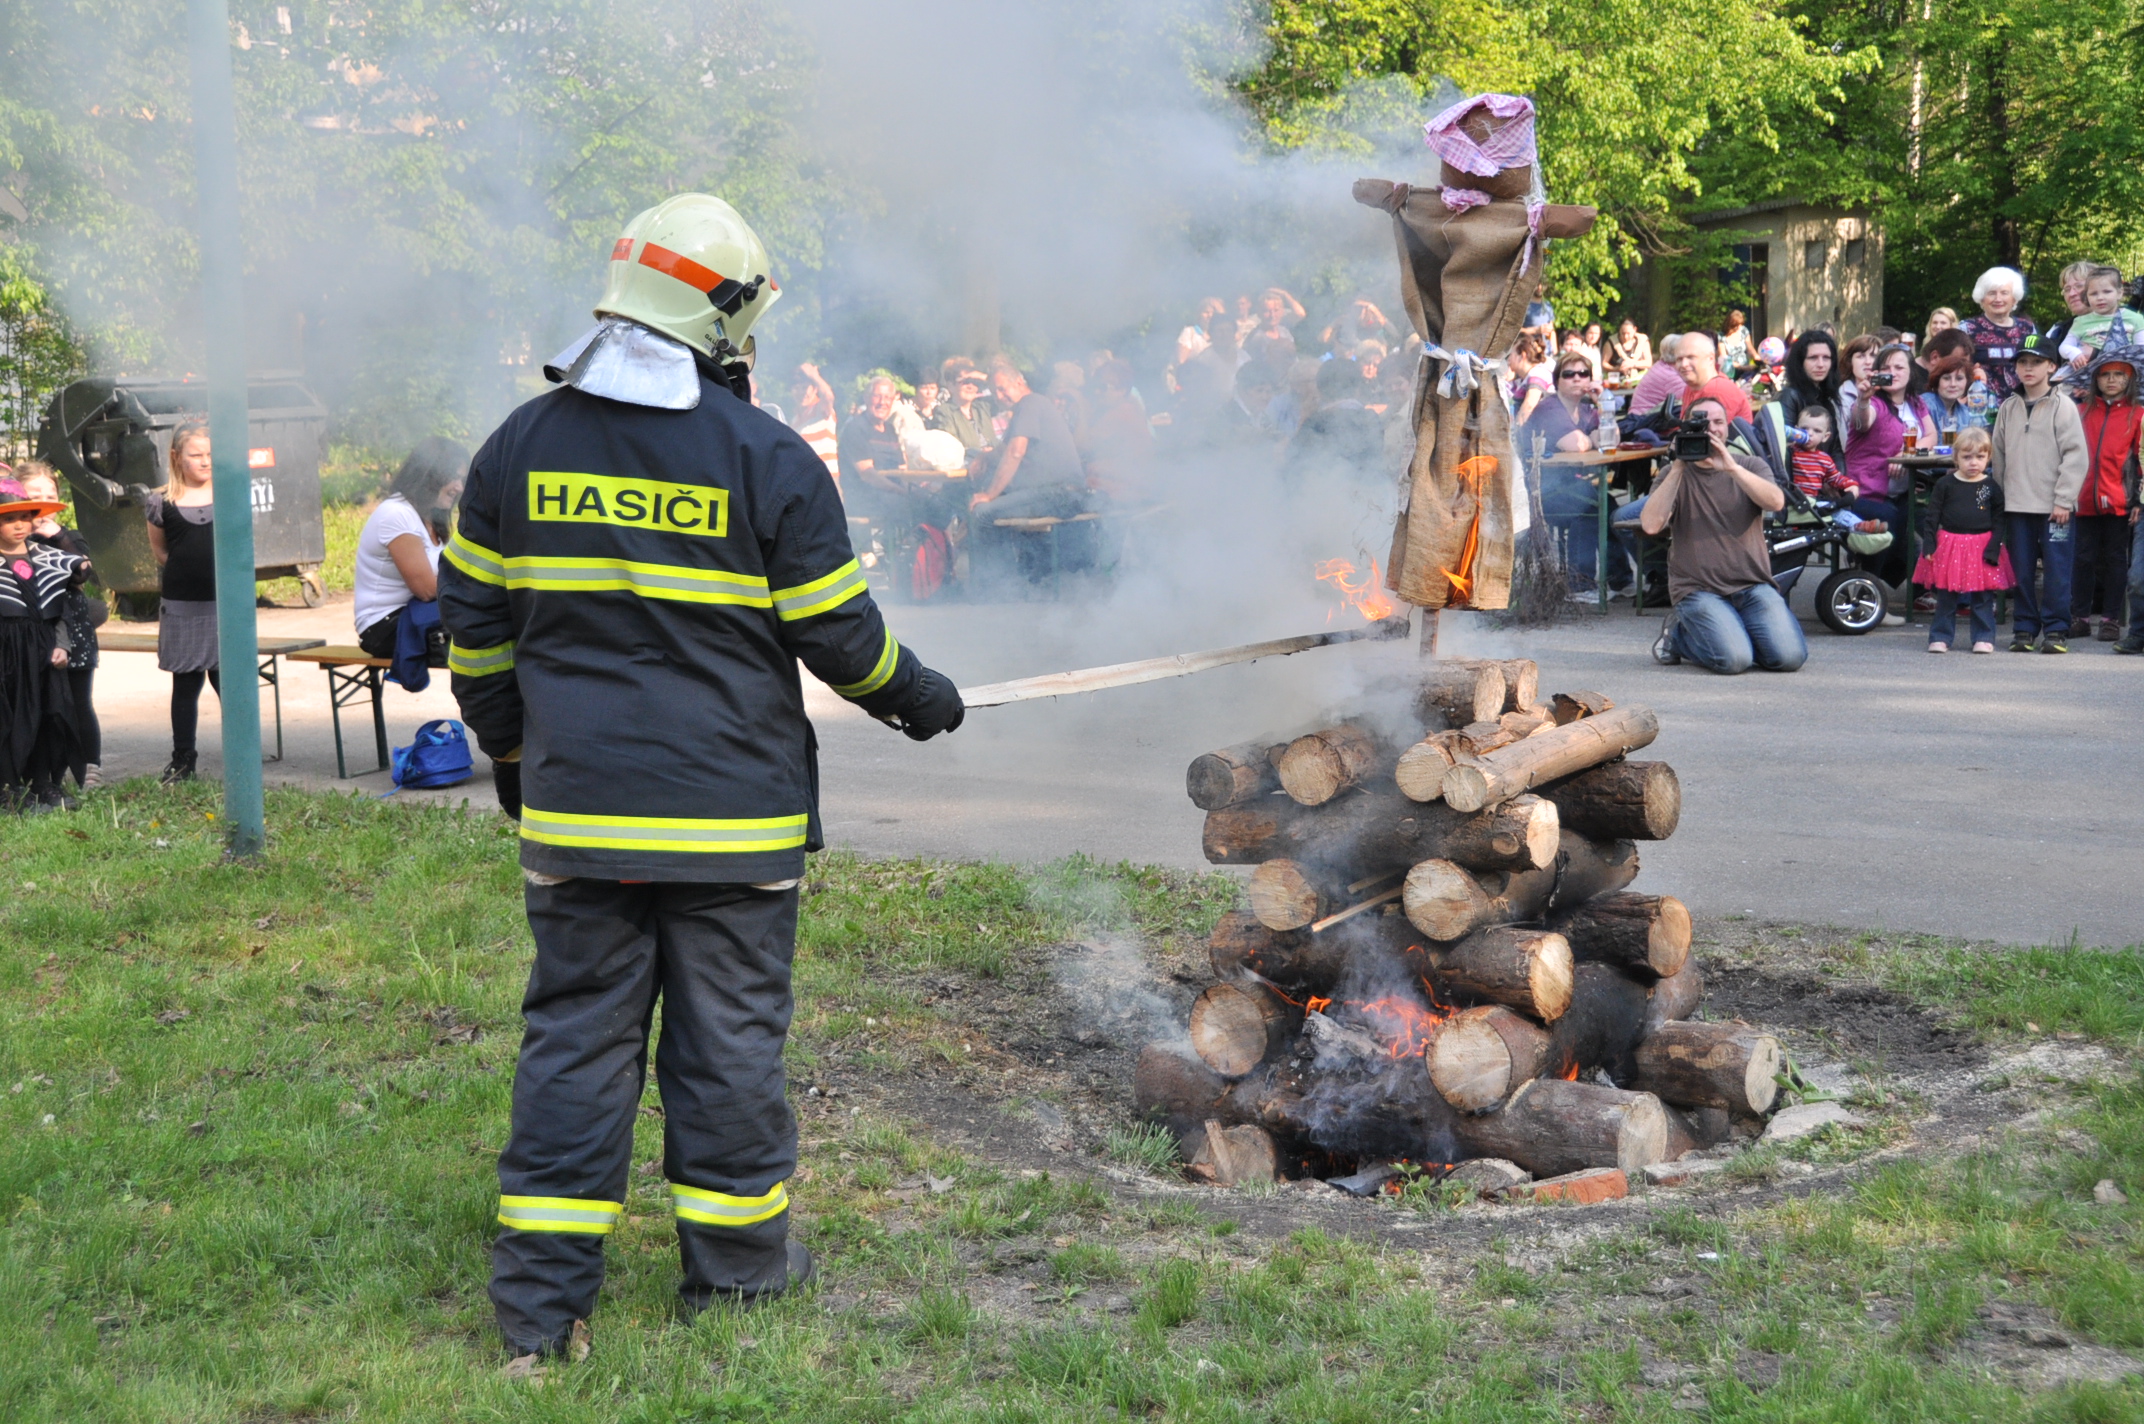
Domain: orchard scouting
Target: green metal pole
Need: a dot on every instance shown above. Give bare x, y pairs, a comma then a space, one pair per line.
223, 323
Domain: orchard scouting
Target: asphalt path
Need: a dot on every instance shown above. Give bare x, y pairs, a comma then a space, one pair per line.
1991, 798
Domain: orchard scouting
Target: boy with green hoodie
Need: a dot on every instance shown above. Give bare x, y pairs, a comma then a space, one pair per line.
2039, 462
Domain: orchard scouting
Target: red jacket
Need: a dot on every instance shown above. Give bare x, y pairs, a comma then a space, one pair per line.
2110, 440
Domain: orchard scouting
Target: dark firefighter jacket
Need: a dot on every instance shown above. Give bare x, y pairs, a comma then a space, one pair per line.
629, 591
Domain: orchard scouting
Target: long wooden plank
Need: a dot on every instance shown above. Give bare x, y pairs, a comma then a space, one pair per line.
1096, 679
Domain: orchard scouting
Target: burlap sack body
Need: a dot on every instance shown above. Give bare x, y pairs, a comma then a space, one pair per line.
1460, 275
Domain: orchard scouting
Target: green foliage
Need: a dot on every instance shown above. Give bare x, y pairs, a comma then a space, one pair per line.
38, 352
442, 185
1630, 95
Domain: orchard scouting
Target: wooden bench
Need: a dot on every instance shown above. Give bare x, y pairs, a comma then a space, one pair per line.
345, 687
269, 649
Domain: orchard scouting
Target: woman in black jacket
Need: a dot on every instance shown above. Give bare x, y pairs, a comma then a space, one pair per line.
1813, 377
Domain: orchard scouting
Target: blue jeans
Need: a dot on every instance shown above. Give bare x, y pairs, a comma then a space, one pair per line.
1729, 635
2031, 550
1943, 628
2136, 585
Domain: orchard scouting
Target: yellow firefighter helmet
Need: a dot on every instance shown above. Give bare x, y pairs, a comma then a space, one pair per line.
693, 269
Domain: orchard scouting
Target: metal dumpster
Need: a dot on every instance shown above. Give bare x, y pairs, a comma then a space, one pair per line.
111, 440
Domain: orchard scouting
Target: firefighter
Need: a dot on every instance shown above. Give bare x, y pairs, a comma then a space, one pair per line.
641, 559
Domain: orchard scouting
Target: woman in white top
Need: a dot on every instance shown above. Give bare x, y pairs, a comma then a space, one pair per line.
398, 550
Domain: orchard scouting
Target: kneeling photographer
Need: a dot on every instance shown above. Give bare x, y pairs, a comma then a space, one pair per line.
1727, 615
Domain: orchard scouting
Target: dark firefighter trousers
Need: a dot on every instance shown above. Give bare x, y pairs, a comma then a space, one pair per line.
719, 957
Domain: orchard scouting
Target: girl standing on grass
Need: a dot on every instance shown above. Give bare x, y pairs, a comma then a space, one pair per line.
182, 535
1968, 563
36, 708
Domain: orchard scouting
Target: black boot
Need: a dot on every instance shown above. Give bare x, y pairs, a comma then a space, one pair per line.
52, 797
180, 769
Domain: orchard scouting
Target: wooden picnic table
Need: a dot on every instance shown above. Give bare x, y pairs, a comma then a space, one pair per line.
110, 640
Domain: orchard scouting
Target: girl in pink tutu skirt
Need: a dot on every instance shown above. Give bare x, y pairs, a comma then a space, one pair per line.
1968, 564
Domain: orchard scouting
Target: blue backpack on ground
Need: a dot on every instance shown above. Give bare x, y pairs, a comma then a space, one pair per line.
438, 757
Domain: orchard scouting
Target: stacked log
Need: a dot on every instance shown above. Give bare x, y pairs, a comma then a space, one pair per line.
1440, 955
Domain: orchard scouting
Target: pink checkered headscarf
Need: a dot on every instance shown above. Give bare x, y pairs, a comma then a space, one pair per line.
1509, 147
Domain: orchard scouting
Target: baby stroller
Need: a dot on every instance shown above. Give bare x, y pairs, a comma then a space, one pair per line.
1851, 599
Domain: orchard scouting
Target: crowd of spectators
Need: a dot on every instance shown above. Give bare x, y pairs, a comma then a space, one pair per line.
2030, 438
932, 463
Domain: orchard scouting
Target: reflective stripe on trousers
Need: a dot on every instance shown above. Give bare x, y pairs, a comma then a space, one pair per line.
722, 1209
594, 1218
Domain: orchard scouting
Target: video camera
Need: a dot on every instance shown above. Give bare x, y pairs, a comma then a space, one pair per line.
1693, 439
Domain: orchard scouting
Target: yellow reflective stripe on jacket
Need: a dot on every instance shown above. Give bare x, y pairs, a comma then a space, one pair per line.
565, 828
672, 581
722, 1209
480, 662
589, 1218
887, 662
820, 594
482, 564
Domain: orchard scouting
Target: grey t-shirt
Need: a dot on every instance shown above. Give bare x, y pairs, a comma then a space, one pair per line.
1717, 534
1052, 458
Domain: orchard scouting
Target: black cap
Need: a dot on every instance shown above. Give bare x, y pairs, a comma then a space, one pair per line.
2040, 346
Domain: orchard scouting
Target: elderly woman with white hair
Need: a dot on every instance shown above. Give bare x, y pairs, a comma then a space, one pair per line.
1999, 330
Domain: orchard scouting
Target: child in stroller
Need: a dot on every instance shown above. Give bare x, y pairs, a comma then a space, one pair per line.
1818, 523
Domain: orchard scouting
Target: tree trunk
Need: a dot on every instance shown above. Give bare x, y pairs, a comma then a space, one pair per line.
1505, 773
1420, 773
1649, 934
1481, 1056
1318, 766
1522, 683
1373, 948
1630, 800
1369, 835
1674, 998
1236, 1026
1602, 1027
1528, 970
1570, 706
1551, 1127
1445, 902
1462, 692
1232, 775
1175, 1086
1711, 1065
1226, 1156
1287, 895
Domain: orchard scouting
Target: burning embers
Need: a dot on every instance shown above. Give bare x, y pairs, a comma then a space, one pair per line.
1440, 959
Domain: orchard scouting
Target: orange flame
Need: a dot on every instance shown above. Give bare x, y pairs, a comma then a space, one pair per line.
1366, 597
1406, 1028
1570, 1074
1471, 474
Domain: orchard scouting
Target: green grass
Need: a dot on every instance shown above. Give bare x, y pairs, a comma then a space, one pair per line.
274, 1092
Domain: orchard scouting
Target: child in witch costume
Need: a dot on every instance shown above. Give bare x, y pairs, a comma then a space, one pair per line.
1471, 257
36, 707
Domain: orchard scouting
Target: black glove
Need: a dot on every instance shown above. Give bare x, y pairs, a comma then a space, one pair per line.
1993, 553
506, 779
937, 708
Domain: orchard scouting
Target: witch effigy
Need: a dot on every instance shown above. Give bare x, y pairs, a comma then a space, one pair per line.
1471, 254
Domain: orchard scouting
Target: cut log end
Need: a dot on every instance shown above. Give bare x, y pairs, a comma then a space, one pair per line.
1235, 1026
1319, 765
1712, 1065
1421, 770
1481, 1055
1284, 896
1231, 775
